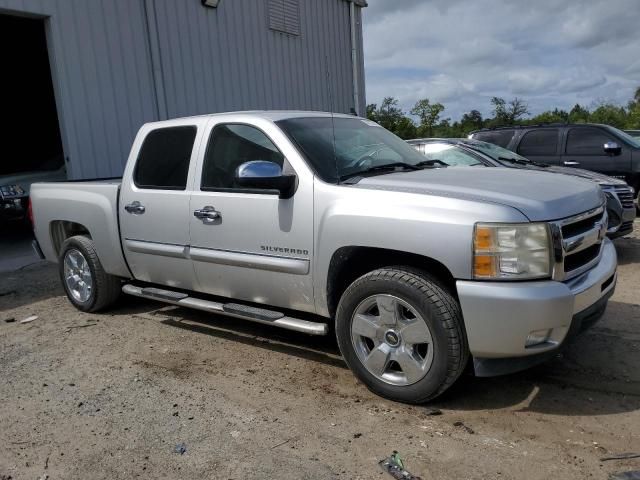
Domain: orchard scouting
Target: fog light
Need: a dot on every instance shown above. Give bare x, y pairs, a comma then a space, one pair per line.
538, 337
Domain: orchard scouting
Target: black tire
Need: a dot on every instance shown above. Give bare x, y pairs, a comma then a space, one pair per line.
436, 306
105, 288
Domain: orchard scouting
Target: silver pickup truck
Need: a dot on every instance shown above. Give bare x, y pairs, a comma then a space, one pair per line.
319, 223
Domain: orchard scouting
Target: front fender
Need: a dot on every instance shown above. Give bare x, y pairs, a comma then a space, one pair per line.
438, 228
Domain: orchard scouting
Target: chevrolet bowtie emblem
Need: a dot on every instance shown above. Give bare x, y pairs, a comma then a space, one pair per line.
602, 231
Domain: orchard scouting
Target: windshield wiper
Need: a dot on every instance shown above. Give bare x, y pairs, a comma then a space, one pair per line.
523, 161
431, 163
389, 167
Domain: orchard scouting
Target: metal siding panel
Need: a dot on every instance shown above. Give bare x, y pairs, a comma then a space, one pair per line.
31, 7
363, 96
212, 60
109, 161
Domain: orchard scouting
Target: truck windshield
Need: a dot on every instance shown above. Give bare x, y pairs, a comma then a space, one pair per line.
494, 151
633, 141
341, 147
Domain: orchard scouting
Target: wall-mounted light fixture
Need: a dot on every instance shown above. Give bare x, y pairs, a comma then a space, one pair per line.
210, 3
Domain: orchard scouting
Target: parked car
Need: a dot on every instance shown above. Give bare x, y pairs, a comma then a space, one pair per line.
15, 188
596, 147
317, 223
470, 152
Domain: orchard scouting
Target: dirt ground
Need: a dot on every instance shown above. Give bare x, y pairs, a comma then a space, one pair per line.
112, 395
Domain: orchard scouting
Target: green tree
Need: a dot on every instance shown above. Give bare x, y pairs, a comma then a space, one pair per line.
499, 109
609, 114
551, 116
405, 129
579, 114
389, 113
372, 112
471, 121
390, 116
509, 113
428, 113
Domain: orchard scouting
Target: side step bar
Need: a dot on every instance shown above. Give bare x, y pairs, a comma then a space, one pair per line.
245, 312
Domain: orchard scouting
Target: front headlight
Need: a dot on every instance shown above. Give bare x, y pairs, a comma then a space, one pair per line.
518, 251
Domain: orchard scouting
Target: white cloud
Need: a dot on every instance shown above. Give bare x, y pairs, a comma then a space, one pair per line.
461, 53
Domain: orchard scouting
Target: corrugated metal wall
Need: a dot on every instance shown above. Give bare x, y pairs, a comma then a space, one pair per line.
120, 63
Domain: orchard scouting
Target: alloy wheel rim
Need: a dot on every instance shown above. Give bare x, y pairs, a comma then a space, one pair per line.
77, 275
392, 340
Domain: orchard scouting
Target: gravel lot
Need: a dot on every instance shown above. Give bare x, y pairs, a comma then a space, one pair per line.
111, 395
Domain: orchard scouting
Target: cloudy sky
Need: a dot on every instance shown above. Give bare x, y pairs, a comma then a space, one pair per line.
463, 52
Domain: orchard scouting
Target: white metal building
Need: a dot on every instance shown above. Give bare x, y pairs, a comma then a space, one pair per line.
93, 71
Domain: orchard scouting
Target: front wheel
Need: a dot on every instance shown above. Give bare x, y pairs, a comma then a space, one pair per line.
401, 333
88, 287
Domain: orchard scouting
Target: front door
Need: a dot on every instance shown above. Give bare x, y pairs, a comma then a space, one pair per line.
154, 205
251, 245
585, 149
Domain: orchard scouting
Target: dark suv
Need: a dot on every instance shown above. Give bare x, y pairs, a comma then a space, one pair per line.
600, 148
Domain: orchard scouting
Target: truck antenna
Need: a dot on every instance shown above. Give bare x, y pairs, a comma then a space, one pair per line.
333, 124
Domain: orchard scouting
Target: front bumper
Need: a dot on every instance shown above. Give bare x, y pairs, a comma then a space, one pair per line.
500, 316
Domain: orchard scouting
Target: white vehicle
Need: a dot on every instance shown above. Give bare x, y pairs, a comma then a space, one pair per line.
310, 221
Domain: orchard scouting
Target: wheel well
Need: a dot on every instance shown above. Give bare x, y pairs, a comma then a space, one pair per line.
63, 229
349, 263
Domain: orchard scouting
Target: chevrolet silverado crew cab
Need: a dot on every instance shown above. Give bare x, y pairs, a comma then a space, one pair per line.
313, 222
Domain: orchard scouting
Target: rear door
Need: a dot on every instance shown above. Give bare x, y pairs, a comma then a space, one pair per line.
154, 203
585, 149
541, 145
259, 247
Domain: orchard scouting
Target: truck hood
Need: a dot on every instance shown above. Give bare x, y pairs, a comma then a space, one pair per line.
596, 177
540, 196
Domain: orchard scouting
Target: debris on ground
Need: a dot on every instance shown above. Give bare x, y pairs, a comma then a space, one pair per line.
10, 320
394, 466
620, 456
357, 435
465, 427
79, 326
282, 443
180, 448
631, 475
433, 412
29, 319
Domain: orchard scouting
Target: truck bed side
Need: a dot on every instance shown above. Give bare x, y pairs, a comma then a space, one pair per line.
64, 209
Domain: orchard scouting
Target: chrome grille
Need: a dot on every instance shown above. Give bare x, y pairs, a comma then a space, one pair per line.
625, 194
577, 242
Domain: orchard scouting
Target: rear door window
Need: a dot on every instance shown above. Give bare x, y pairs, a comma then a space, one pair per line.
539, 142
163, 161
586, 141
497, 137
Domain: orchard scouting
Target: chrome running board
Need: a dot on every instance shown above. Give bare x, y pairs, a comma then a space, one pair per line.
245, 312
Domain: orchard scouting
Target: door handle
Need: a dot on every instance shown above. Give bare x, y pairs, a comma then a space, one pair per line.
572, 164
207, 214
135, 208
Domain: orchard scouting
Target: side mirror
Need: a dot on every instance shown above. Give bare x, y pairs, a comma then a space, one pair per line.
264, 175
612, 148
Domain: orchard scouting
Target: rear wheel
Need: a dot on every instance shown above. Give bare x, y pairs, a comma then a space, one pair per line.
88, 287
401, 333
